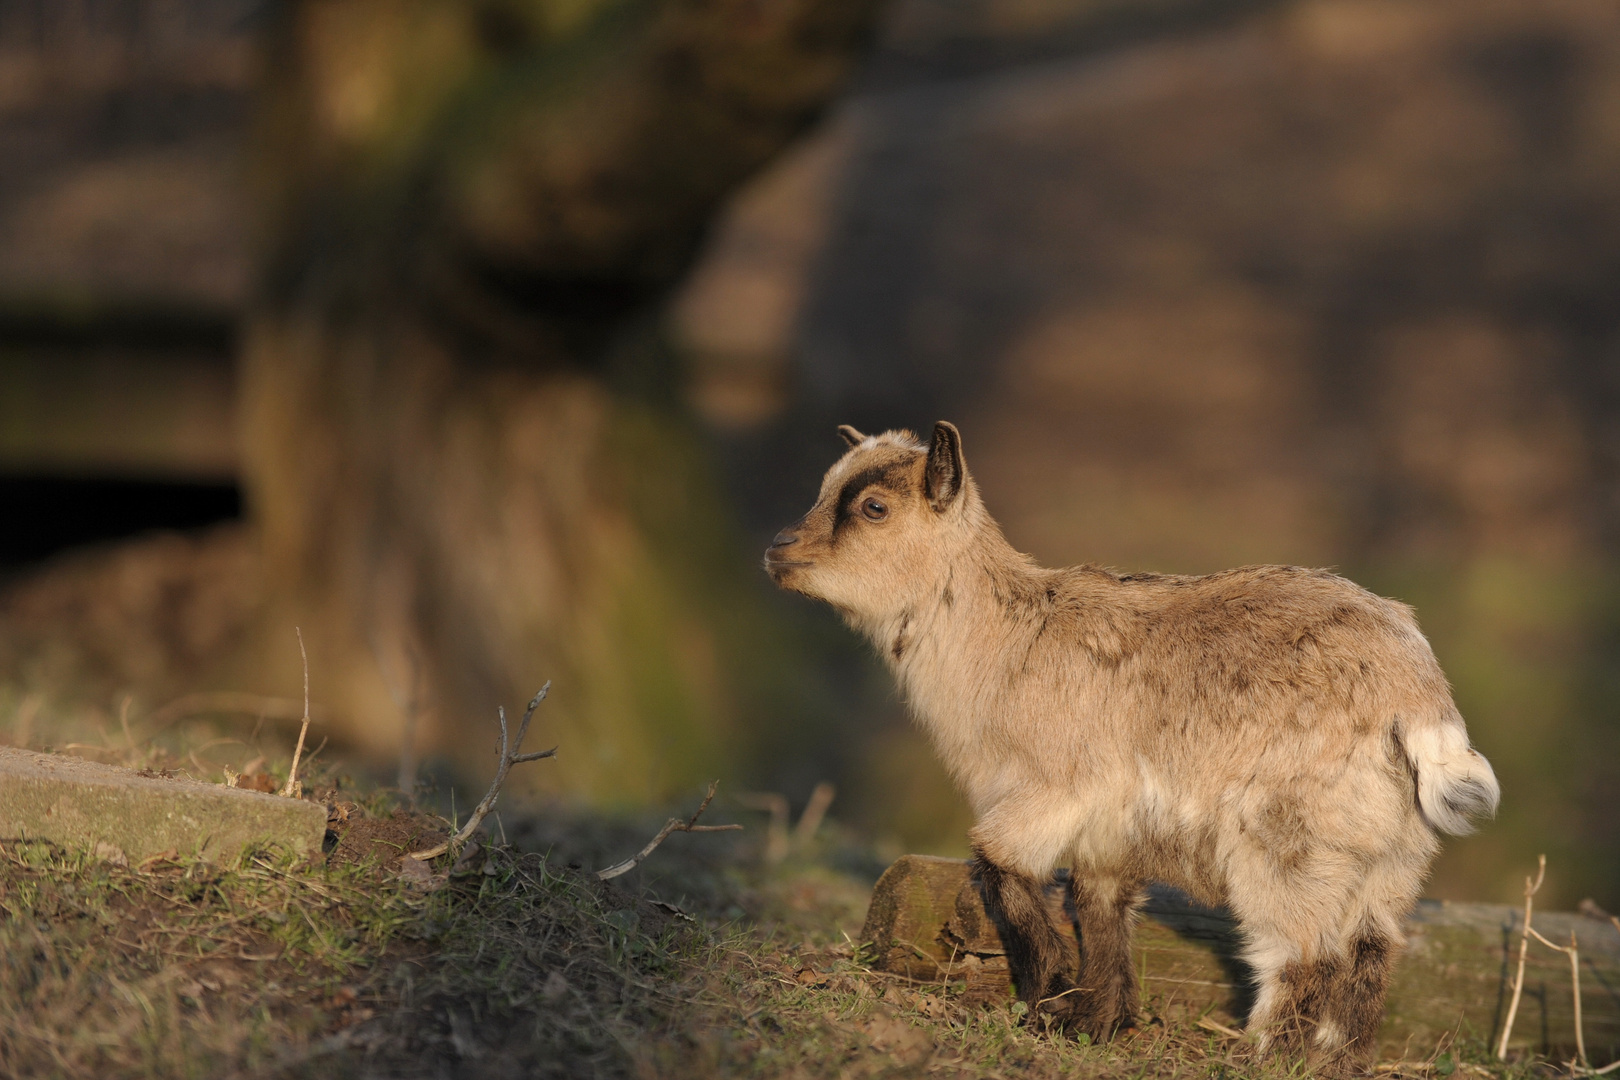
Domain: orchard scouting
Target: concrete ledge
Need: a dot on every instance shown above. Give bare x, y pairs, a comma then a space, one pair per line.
125, 814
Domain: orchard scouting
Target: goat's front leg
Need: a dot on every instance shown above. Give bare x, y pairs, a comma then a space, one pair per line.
1106, 997
1039, 957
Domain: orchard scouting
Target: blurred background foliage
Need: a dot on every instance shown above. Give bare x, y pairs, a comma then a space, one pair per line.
490, 340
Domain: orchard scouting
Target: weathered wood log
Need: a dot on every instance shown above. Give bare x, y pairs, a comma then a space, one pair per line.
927, 922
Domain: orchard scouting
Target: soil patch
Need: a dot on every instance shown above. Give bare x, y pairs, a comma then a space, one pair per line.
385, 838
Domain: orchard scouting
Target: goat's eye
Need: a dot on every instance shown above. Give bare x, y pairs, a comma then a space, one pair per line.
874, 509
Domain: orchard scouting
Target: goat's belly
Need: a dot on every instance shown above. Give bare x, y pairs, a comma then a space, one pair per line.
1117, 832
1034, 830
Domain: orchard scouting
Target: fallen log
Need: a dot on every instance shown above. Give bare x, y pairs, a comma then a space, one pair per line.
927, 922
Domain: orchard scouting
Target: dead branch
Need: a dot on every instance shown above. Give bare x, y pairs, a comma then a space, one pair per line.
24, 727
673, 825
1572, 950
815, 811
776, 833
294, 788
1220, 1029
778, 841
509, 756
408, 702
1524, 948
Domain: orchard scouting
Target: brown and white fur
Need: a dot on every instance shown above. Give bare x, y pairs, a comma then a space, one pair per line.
1271, 738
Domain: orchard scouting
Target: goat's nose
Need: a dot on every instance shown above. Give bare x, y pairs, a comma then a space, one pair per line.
784, 539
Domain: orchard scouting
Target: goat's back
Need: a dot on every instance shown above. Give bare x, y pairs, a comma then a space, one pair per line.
1207, 664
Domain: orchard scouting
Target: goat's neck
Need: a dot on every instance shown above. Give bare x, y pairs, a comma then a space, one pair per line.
949, 650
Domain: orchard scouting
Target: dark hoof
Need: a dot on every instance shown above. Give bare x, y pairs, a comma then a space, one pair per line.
1080, 1021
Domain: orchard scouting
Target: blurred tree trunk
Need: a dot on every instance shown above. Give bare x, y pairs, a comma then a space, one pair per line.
462, 445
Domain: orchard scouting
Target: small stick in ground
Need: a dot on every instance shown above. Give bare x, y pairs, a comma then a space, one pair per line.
1570, 951
294, 788
1524, 948
814, 811
509, 757
776, 833
408, 700
778, 842
123, 722
1220, 1029
674, 825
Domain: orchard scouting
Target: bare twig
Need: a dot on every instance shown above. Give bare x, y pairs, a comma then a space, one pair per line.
1220, 1029
1575, 981
1524, 948
408, 699
294, 788
778, 841
123, 722
1570, 951
673, 825
814, 812
508, 757
776, 833
23, 728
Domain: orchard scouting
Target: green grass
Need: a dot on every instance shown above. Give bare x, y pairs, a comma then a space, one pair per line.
178, 967
511, 963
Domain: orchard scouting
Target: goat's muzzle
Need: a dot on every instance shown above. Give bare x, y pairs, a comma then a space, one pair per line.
779, 556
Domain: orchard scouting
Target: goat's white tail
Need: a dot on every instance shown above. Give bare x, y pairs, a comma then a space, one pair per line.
1454, 781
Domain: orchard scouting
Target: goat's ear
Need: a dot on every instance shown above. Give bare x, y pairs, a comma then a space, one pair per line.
943, 478
851, 436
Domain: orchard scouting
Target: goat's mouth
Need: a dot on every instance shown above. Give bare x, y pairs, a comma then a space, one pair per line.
779, 567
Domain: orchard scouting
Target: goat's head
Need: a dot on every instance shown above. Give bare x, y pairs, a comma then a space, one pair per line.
891, 512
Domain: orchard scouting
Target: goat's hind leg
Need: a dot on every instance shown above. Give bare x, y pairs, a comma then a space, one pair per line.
1105, 999
1039, 957
1328, 1010
1348, 1034
1293, 989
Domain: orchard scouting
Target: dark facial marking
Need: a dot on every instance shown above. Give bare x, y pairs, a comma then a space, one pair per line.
892, 476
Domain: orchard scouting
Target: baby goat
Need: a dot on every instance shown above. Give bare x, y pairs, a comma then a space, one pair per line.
1272, 738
